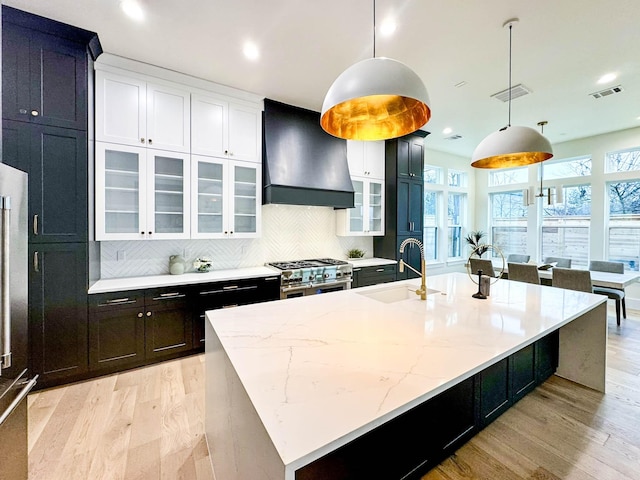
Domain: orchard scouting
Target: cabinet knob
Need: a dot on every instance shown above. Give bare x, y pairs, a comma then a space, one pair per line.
142, 140
141, 233
22, 111
35, 113
148, 314
139, 314
150, 233
150, 141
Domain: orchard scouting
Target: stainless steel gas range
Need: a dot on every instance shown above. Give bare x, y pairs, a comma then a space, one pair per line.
311, 277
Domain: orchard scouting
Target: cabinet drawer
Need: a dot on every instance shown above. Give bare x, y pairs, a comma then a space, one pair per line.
378, 270
170, 297
116, 300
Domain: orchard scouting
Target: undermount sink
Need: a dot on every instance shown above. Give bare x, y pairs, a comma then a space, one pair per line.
395, 293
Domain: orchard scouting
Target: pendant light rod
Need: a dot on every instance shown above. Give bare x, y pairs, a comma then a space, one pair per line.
509, 23
374, 28
541, 125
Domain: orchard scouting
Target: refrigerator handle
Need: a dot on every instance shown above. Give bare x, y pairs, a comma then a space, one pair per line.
5, 325
16, 401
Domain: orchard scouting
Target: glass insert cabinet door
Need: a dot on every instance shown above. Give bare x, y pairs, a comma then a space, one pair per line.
226, 201
356, 214
168, 199
141, 193
120, 192
375, 212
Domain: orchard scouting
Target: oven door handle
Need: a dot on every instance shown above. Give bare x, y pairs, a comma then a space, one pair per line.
316, 285
19, 398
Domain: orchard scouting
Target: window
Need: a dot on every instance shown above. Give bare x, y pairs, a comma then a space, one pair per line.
567, 168
565, 226
508, 177
624, 161
430, 226
623, 191
457, 178
509, 222
624, 223
455, 209
432, 175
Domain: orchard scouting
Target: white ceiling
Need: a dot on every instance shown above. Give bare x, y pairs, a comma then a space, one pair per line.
560, 49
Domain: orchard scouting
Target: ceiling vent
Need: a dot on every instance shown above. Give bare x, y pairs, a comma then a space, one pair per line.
454, 137
516, 91
607, 91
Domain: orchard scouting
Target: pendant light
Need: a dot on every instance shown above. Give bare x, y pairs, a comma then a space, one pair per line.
511, 146
375, 99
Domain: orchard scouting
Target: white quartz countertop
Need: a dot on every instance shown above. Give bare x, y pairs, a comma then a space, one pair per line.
135, 283
370, 262
322, 370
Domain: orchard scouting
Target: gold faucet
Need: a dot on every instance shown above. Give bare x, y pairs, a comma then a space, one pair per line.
422, 291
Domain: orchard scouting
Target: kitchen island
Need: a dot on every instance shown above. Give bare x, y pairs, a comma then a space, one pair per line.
310, 387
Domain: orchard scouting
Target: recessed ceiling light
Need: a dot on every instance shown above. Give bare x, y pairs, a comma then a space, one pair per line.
609, 77
251, 51
388, 27
447, 131
132, 9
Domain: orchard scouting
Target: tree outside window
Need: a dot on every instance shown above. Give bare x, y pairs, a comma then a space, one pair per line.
430, 225
509, 222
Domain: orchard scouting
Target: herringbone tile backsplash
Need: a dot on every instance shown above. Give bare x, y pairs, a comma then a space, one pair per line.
288, 233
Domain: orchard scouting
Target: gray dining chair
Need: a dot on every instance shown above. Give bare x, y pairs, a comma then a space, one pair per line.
571, 279
482, 264
523, 272
518, 258
613, 293
559, 261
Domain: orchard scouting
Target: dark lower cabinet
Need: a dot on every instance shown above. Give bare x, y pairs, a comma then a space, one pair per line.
116, 330
523, 372
139, 326
365, 276
168, 322
408, 446
494, 391
58, 311
227, 294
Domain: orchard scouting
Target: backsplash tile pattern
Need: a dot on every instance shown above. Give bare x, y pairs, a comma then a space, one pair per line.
288, 233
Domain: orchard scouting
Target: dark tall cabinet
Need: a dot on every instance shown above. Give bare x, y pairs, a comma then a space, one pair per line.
404, 188
46, 67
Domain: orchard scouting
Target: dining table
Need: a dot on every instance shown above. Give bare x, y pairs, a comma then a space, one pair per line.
598, 279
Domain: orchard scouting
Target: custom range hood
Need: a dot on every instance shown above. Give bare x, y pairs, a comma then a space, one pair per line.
302, 164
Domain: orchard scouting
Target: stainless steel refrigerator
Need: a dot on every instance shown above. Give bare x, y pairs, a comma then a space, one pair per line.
14, 376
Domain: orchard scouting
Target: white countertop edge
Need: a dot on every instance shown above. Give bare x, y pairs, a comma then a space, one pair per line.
370, 262
339, 442
135, 283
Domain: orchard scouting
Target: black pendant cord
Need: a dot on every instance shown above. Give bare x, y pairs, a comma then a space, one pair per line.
510, 27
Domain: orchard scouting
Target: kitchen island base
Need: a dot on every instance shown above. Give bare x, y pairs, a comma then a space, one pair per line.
287, 397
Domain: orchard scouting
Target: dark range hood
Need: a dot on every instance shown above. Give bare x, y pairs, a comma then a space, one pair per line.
302, 164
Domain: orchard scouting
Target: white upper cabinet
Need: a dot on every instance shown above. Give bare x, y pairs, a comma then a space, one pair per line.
225, 129
131, 111
367, 216
366, 159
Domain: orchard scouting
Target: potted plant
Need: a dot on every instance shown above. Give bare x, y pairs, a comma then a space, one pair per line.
474, 240
355, 253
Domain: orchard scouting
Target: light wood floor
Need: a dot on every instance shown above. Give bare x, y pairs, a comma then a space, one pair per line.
149, 423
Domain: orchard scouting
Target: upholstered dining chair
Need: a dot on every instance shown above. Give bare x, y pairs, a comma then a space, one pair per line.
523, 272
517, 258
559, 261
571, 279
612, 293
482, 264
